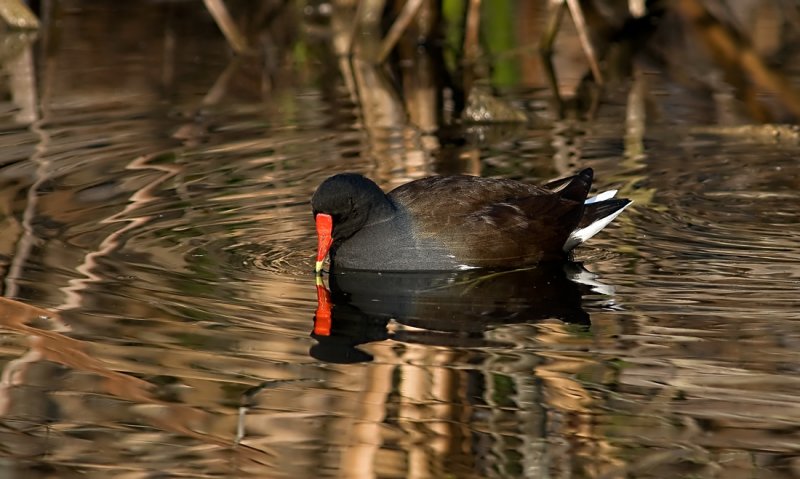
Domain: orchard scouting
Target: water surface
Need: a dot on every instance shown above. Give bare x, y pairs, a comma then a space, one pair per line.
159, 310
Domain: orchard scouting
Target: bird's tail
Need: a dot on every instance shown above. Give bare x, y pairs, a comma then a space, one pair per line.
598, 212
574, 188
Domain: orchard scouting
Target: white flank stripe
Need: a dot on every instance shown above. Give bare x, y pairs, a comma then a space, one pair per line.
606, 195
579, 236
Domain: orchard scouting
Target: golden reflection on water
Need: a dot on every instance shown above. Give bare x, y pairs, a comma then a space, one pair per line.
156, 257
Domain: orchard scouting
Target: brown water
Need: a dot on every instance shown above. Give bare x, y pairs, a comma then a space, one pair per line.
159, 316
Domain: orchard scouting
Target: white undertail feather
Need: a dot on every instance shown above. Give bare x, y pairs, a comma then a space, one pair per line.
580, 235
606, 195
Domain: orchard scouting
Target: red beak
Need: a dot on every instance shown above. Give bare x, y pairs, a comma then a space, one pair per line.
324, 238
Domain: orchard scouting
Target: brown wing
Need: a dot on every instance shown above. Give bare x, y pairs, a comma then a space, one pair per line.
459, 195
520, 231
491, 222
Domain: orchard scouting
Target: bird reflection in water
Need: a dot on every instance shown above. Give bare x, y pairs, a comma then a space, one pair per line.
445, 309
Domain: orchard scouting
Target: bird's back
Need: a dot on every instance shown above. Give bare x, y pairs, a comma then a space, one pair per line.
489, 222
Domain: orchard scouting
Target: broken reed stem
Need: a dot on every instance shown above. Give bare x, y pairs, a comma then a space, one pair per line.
225, 22
398, 27
583, 35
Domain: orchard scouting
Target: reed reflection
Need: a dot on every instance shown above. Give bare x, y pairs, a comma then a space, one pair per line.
444, 309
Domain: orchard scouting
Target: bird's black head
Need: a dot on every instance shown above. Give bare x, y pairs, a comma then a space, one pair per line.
352, 200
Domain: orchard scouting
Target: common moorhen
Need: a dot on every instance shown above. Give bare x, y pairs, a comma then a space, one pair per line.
445, 223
